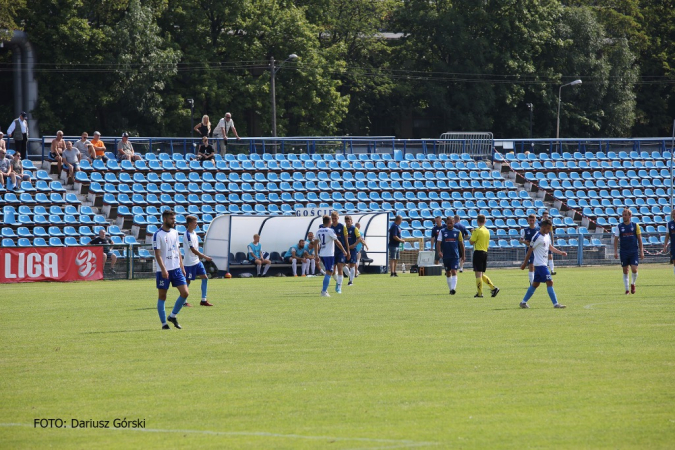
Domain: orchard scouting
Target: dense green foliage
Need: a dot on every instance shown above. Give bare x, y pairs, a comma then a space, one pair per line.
456, 65
390, 363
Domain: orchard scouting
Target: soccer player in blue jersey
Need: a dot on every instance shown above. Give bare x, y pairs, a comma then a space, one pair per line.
448, 245
670, 236
526, 237
465, 234
297, 253
341, 256
438, 226
540, 245
169, 268
328, 240
257, 256
353, 238
630, 236
193, 266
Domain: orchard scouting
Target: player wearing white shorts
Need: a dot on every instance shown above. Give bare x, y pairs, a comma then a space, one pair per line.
169, 268
193, 266
327, 242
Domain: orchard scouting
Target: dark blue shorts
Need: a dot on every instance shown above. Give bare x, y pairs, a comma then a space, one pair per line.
353, 255
629, 259
176, 279
328, 262
191, 272
531, 260
541, 274
451, 263
339, 257
672, 254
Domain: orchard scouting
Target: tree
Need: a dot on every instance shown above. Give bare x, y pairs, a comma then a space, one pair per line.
8, 17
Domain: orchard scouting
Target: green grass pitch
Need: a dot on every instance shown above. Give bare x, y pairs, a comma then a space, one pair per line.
390, 363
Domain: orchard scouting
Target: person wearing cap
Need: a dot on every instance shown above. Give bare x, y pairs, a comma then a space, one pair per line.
18, 130
99, 147
3, 146
125, 150
71, 161
5, 168
17, 173
223, 129
56, 150
106, 243
84, 146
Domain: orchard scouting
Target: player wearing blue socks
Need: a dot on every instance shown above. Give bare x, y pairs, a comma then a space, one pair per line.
193, 266
169, 268
540, 244
327, 242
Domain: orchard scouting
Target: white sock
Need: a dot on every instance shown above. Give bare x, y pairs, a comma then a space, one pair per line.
625, 280
352, 273
634, 277
259, 266
345, 270
339, 280
335, 275
449, 280
303, 270
551, 265
674, 270
267, 267
453, 280
294, 263
312, 266
531, 275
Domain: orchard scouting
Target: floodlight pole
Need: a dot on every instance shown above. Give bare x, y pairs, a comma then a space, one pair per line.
273, 72
530, 106
557, 128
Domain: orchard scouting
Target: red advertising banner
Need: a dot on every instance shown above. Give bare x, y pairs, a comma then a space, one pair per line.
19, 265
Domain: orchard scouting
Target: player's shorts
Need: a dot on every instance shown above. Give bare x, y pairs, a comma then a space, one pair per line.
531, 260
394, 251
672, 255
629, 259
339, 257
108, 254
353, 256
328, 262
191, 272
541, 274
264, 255
176, 278
437, 257
451, 263
479, 261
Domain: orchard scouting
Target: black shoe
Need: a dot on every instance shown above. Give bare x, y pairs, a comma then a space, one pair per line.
350, 283
452, 292
166, 327
495, 291
391, 274
395, 274
477, 296
174, 321
553, 273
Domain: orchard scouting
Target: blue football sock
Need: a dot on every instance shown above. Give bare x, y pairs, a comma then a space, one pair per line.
178, 306
161, 311
204, 283
529, 293
551, 293
326, 282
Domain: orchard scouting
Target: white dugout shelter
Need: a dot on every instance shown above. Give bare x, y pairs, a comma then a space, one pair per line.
229, 234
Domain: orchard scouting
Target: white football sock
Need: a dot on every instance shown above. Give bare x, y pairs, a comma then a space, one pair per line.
294, 263
551, 265
352, 274
531, 275
339, 280
625, 280
267, 267
312, 266
453, 280
304, 269
449, 280
258, 267
634, 277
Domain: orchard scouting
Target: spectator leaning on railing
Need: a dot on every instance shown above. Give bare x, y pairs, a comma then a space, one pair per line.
223, 129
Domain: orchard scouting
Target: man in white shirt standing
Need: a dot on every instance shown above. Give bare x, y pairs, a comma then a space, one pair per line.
327, 241
193, 266
18, 130
169, 268
540, 244
223, 129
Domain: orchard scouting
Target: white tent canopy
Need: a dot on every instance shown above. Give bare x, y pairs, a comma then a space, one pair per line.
229, 234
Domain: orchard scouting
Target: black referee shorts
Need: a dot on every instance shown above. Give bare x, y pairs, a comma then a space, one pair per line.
479, 261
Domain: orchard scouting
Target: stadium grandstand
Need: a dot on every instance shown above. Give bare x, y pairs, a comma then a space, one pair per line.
584, 191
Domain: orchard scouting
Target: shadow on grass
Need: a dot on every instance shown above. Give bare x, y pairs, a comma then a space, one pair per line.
118, 331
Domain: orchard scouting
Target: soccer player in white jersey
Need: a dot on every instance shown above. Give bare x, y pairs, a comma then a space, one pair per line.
327, 242
540, 244
169, 268
193, 266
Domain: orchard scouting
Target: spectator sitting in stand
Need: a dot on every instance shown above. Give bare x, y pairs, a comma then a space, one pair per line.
85, 148
5, 168
17, 171
99, 147
125, 151
206, 151
3, 145
297, 253
257, 256
57, 148
71, 161
106, 242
